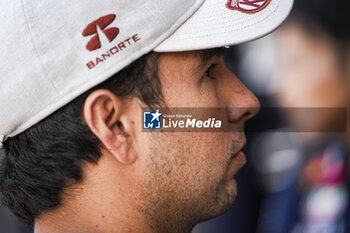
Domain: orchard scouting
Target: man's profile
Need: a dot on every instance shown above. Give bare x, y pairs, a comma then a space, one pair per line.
75, 156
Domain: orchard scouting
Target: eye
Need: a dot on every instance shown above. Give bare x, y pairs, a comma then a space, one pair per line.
208, 73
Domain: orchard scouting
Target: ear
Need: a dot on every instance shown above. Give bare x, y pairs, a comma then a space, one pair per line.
103, 112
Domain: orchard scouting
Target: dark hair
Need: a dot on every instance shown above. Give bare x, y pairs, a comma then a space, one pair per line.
326, 17
38, 165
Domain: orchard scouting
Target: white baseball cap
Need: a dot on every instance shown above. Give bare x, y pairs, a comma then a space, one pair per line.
53, 51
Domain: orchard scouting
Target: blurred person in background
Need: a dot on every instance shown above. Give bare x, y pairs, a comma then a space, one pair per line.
312, 49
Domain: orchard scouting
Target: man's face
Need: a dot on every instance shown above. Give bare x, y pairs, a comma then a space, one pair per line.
191, 174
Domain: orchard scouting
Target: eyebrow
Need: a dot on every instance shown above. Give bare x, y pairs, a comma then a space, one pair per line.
208, 55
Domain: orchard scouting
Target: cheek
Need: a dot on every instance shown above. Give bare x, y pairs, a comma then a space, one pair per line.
204, 158
192, 159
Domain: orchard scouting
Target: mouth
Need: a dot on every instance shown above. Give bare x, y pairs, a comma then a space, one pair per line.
239, 156
239, 151
236, 162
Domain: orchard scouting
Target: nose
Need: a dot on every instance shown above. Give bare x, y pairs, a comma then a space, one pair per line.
244, 113
242, 104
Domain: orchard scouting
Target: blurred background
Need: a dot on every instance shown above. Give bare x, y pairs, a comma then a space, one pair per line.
296, 179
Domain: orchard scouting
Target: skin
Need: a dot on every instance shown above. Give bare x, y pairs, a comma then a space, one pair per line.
310, 78
158, 182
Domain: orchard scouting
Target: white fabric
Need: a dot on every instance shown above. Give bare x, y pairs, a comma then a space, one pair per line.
43, 55
44, 59
214, 25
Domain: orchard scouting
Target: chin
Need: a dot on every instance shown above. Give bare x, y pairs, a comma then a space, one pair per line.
224, 201
228, 196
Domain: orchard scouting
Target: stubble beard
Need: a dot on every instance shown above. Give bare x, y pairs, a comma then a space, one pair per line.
169, 207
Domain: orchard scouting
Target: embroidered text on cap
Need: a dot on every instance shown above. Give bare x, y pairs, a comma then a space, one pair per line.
111, 33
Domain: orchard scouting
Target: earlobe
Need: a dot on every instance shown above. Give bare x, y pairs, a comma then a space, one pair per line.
103, 113
122, 151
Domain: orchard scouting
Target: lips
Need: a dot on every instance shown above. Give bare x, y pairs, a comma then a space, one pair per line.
237, 162
239, 150
239, 156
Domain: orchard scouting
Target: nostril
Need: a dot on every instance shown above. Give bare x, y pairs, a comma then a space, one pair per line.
248, 115
239, 114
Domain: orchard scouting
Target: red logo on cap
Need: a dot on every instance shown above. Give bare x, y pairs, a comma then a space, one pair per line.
247, 6
102, 22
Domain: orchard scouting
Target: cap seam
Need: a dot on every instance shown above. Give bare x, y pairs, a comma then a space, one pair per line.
36, 48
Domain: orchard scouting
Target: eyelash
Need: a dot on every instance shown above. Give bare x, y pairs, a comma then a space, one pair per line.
208, 71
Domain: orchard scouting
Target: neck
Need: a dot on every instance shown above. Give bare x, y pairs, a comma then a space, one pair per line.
90, 215
100, 204
93, 217
94, 222
104, 201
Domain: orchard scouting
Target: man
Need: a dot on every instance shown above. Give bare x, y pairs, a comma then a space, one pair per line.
76, 78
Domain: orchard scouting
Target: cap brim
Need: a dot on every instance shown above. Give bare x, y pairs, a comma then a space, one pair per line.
215, 25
